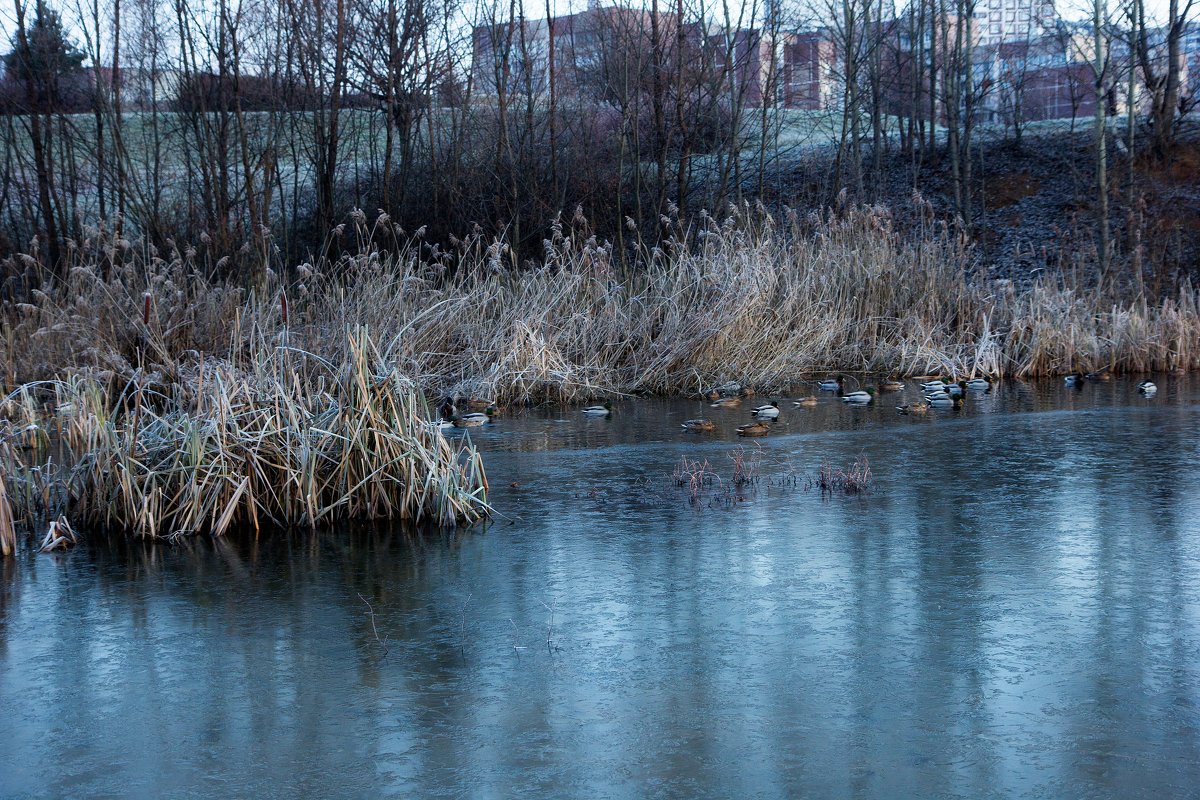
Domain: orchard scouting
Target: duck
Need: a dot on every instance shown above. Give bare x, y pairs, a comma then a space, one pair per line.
913, 408
945, 401
861, 397
770, 411
1147, 388
805, 401
934, 385
1074, 379
447, 410
831, 384
712, 395
1100, 375
980, 384
479, 404
604, 410
754, 429
891, 385
956, 389
727, 402
745, 392
471, 420
699, 425
441, 425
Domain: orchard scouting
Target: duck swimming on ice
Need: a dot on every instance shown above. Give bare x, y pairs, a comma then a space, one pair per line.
859, 398
471, 420
604, 410
754, 429
770, 411
913, 408
945, 401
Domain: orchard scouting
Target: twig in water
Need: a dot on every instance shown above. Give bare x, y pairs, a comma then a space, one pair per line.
515, 646
374, 630
462, 625
550, 624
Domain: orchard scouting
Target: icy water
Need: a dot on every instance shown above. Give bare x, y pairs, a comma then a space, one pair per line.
1013, 611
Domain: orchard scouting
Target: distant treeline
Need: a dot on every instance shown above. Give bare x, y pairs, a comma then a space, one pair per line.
253, 129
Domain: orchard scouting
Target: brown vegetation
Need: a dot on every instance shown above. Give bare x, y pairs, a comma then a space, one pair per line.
750, 298
267, 437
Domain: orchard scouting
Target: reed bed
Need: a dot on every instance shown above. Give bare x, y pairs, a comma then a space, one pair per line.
747, 298
274, 438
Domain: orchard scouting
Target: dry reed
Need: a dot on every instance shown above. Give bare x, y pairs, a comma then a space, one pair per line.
855, 479
8, 528
749, 297
271, 438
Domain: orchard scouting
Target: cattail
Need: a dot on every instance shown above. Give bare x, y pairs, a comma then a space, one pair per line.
146, 310
283, 307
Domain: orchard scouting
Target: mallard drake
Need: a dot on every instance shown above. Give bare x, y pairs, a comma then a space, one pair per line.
980, 384
754, 429
447, 409
860, 397
831, 384
1074, 379
770, 411
1147, 388
727, 402
891, 385
805, 401
945, 401
937, 383
604, 410
699, 425
913, 408
471, 420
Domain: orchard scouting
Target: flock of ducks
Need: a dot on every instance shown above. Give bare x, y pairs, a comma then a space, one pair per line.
937, 393
1078, 379
481, 413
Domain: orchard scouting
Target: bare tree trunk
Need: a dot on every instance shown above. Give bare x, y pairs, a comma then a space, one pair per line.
1099, 14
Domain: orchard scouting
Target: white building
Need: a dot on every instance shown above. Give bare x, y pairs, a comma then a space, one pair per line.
998, 21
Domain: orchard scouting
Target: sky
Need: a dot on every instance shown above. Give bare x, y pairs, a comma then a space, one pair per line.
1068, 9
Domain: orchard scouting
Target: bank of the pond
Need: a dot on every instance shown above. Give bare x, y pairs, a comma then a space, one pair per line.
748, 298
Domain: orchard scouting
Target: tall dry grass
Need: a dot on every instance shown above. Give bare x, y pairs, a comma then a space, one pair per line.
272, 438
747, 297
8, 533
